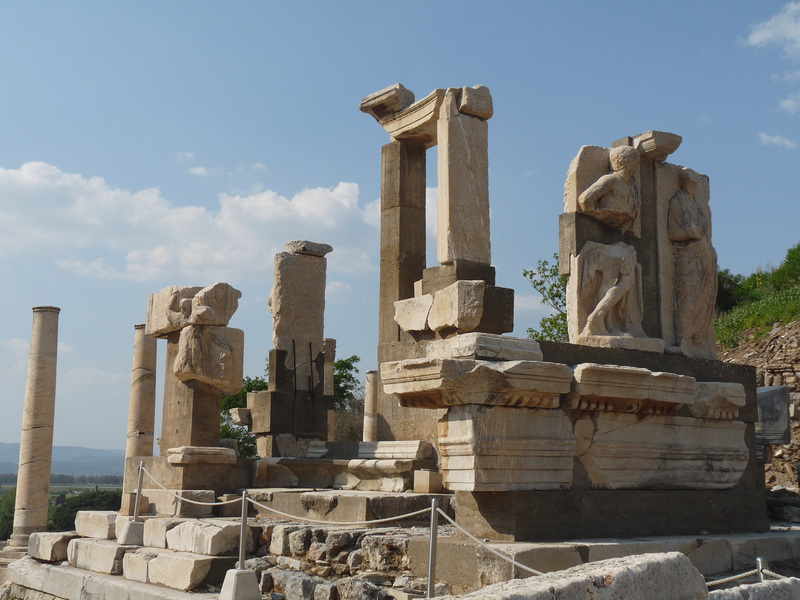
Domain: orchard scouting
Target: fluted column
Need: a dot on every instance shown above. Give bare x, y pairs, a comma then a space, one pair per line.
371, 408
142, 408
36, 443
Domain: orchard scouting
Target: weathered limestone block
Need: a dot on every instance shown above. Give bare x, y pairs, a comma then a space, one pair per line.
417, 122
96, 523
387, 102
155, 531
165, 503
214, 305
780, 589
463, 167
136, 565
458, 306
400, 449
412, 313
179, 571
191, 455
717, 400
629, 389
211, 354
306, 247
484, 346
241, 417
624, 451
215, 538
101, 556
50, 546
668, 576
657, 145
497, 449
267, 472
279, 543
297, 303
438, 383
170, 309
476, 101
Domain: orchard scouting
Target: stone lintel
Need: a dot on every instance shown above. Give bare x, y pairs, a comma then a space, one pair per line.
189, 455
484, 346
418, 121
387, 102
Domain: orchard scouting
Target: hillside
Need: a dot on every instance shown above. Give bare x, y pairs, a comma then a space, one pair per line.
777, 359
70, 460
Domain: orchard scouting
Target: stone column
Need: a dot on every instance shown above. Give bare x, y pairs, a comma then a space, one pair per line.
371, 408
36, 443
142, 408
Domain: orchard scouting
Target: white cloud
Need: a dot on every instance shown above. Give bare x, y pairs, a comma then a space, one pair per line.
184, 157
791, 104
89, 228
776, 140
783, 30
18, 346
198, 171
258, 166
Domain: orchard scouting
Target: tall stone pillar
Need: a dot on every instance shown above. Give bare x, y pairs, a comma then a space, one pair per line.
142, 408
36, 443
371, 408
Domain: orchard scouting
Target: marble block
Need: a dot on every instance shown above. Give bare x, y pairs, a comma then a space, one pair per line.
214, 305
211, 354
626, 451
496, 449
484, 346
387, 102
657, 145
412, 313
458, 306
169, 309
438, 383
718, 400
191, 455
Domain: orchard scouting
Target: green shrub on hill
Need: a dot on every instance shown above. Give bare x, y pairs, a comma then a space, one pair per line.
64, 515
758, 316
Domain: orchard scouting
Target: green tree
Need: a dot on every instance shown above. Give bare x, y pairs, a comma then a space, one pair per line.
7, 513
728, 285
552, 286
788, 274
64, 515
227, 429
346, 385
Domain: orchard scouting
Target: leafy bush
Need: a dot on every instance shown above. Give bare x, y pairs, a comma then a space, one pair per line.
552, 286
64, 515
758, 316
227, 429
7, 513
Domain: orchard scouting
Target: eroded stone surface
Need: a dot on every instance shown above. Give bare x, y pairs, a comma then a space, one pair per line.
718, 400
169, 309
101, 556
96, 523
49, 546
212, 355
458, 306
214, 305
412, 313
179, 571
484, 346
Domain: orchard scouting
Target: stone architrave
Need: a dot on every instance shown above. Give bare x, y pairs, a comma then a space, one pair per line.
718, 400
463, 219
36, 442
297, 302
624, 451
485, 346
169, 309
495, 449
212, 355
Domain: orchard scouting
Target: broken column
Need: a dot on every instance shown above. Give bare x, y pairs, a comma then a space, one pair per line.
370, 433
36, 443
142, 409
295, 408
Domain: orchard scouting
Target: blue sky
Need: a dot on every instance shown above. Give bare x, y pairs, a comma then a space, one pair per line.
150, 144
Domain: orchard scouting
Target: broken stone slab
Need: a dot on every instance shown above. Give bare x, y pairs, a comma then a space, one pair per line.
718, 400
214, 305
101, 556
629, 389
210, 537
412, 313
191, 455
407, 450
773, 426
484, 346
169, 309
668, 576
50, 546
387, 102
211, 354
438, 383
136, 564
306, 247
96, 524
458, 306
624, 451
476, 101
155, 531
179, 570
657, 145
241, 416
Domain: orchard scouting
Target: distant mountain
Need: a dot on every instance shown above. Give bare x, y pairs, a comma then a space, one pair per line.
70, 460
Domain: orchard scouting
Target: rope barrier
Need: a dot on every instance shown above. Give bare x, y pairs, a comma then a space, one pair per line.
321, 522
489, 548
171, 493
732, 578
773, 574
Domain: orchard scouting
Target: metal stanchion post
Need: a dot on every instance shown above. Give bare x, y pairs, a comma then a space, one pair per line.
243, 530
761, 564
138, 492
432, 549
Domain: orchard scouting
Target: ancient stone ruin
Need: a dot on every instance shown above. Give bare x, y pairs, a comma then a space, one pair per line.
632, 429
